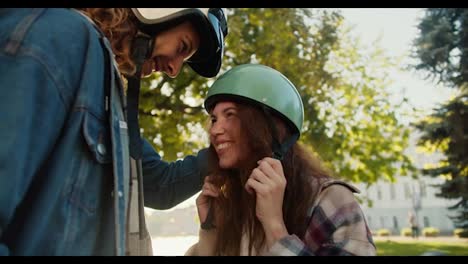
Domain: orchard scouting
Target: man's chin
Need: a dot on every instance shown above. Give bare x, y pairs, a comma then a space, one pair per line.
146, 70
144, 75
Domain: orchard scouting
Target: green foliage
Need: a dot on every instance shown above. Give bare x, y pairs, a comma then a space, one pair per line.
430, 232
383, 232
349, 121
460, 232
441, 45
406, 232
446, 130
442, 49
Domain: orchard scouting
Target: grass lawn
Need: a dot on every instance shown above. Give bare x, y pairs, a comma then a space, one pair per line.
412, 248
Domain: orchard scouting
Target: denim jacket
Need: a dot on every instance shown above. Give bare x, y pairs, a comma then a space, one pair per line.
64, 158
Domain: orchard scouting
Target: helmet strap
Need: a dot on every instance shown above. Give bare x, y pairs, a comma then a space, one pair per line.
279, 149
141, 48
132, 117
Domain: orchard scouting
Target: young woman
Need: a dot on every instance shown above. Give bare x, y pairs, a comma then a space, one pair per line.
266, 194
67, 184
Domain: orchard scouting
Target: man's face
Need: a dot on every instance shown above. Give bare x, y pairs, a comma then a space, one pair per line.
172, 48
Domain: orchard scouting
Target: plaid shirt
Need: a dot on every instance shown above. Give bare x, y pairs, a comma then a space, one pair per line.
337, 227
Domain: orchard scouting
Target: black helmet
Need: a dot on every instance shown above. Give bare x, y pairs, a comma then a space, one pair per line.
211, 24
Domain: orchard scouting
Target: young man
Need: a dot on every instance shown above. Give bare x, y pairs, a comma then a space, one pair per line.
69, 181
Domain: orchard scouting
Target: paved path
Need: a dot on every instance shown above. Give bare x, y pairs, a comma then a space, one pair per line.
178, 245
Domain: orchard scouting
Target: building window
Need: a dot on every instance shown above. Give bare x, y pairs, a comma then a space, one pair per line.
407, 191
422, 189
426, 221
392, 191
379, 193
395, 223
382, 222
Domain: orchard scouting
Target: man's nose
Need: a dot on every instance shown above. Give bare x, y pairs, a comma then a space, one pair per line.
174, 66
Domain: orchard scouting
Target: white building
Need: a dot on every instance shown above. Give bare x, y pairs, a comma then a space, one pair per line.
393, 201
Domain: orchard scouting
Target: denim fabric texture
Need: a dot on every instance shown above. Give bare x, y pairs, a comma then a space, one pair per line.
64, 157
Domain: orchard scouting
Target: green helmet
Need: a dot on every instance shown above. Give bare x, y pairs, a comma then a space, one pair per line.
262, 85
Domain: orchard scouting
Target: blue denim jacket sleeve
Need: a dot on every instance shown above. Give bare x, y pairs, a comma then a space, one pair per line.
55, 183
167, 184
20, 133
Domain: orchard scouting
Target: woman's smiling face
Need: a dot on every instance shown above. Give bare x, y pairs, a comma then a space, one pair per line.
225, 135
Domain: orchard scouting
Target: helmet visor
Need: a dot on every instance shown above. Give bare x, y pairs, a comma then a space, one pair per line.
208, 58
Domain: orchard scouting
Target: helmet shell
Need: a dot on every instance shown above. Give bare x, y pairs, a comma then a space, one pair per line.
211, 24
260, 85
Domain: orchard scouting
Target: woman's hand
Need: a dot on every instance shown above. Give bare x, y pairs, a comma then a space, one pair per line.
206, 244
203, 200
268, 183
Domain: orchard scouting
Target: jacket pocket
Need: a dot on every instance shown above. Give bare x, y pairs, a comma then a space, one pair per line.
92, 171
97, 135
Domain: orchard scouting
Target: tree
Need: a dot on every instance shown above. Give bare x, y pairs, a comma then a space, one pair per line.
442, 50
441, 46
349, 121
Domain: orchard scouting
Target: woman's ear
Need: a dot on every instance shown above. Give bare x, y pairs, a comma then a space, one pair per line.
283, 132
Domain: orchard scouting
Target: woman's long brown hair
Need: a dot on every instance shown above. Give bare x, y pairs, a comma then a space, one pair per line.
119, 26
235, 209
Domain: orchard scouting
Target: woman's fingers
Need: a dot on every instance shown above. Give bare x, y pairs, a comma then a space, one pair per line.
267, 169
275, 164
252, 185
258, 175
208, 190
273, 169
211, 188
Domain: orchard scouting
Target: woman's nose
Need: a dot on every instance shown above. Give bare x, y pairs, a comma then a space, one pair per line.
217, 129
